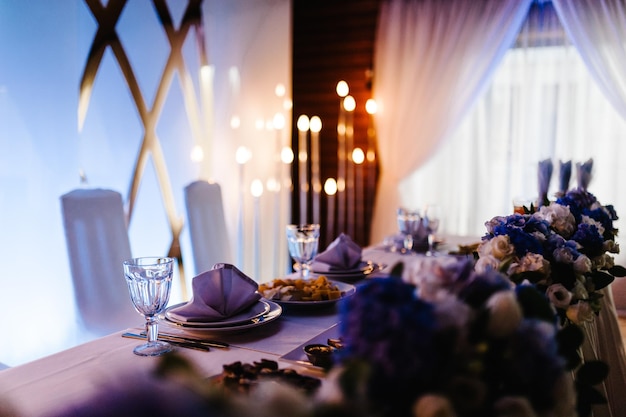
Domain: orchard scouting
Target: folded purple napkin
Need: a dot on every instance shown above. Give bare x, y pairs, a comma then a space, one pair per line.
583, 174
565, 173
218, 293
543, 178
342, 253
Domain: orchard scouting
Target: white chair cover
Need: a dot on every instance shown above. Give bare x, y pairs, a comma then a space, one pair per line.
207, 225
97, 243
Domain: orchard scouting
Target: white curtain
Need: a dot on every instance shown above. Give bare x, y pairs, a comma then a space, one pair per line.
598, 30
431, 62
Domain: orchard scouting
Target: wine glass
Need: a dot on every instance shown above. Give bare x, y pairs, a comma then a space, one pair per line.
408, 224
303, 241
149, 282
432, 218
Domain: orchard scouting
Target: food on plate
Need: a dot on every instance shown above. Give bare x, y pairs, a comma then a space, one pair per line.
299, 289
242, 377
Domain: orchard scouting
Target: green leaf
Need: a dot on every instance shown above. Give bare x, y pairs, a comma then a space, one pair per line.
592, 372
601, 279
534, 303
617, 271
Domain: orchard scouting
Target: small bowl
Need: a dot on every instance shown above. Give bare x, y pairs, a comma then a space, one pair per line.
319, 355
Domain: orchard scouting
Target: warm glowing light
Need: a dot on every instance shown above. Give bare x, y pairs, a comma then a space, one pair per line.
279, 121
358, 156
370, 106
342, 88
341, 185
302, 156
286, 155
242, 155
287, 104
256, 188
272, 185
279, 90
341, 128
197, 154
259, 124
315, 124
371, 156
349, 103
303, 123
330, 186
235, 122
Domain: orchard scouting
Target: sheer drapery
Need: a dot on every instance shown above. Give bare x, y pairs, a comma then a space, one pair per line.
431, 62
598, 30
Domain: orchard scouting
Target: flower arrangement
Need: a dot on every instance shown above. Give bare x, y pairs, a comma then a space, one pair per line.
564, 249
454, 342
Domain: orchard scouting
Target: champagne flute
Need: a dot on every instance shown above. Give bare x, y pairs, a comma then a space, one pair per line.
433, 216
303, 241
408, 224
149, 282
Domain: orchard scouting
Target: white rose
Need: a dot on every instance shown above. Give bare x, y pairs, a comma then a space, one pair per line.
579, 292
559, 217
563, 255
505, 314
582, 264
580, 312
487, 262
559, 296
501, 247
531, 262
431, 405
611, 246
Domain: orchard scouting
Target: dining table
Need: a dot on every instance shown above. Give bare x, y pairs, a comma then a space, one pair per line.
49, 385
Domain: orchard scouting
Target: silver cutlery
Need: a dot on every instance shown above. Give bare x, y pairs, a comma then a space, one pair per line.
181, 341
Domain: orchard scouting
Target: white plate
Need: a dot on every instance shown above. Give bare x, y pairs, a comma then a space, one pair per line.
274, 312
298, 356
354, 274
347, 290
257, 310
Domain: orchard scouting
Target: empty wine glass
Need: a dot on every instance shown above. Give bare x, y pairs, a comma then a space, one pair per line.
432, 218
408, 223
149, 282
303, 241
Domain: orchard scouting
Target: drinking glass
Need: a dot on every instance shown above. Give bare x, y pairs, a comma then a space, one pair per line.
303, 241
408, 223
149, 282
432, 218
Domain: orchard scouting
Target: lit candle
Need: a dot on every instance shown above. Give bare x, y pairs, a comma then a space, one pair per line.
303, 130
316, 125
330, 188
242, 156
358, 156
342, 91
350, 104
206, 82
287, 158
256, 189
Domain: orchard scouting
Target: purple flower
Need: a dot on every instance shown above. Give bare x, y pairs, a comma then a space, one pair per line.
588, 236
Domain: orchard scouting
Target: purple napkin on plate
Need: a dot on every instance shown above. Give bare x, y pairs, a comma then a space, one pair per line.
544, 175
583, 174
565, 173
218, 293
342, 253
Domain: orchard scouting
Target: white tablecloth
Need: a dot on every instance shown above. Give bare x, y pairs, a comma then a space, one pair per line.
51, 383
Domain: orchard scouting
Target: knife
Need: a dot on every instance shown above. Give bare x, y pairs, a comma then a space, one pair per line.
186, 344
205, 342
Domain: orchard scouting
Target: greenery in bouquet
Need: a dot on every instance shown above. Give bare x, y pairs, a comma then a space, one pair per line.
565, 249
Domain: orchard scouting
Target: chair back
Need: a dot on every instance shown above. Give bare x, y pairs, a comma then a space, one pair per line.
97, 240
207, 225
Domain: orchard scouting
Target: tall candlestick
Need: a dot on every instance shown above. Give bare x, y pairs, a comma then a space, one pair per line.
206, 82
358, 157
303, 130
242, 156
342, 91
256, 188
350, 104
287, 158
330, 188
371, 107
315, 125
276, 185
